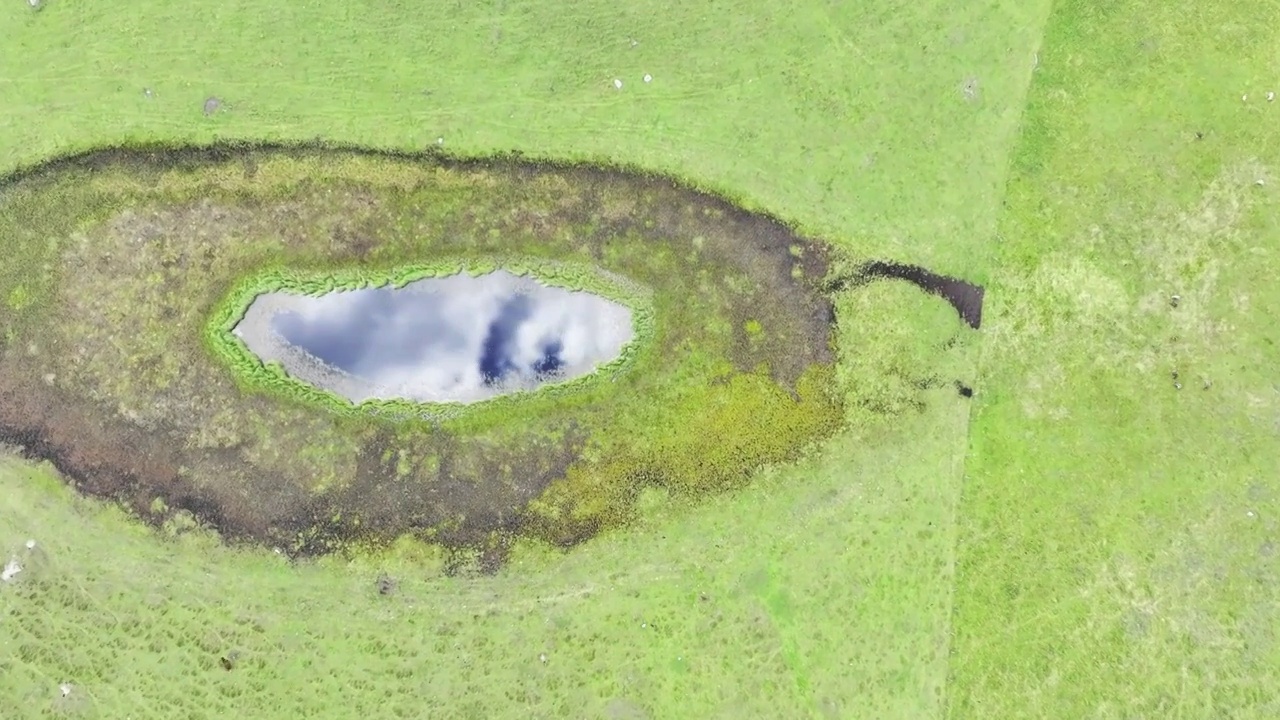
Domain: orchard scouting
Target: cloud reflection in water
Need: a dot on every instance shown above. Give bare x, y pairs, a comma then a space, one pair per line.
459, 338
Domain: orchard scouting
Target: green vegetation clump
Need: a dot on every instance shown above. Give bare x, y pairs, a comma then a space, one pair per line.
155, 258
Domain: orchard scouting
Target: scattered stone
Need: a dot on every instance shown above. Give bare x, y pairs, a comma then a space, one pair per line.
970, 89
386, 584
1174, 300
49, 378
1244, 98
617, 83
228, 661
1271, 96
65, 689
147, 92
11, 570
543, 658
1177, 386
1250, 513
31, 544
212, 105
648, 77
1260, 182
439, 141
35, 4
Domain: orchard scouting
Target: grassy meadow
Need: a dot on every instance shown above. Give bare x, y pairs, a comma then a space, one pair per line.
1121, 504
1088, 536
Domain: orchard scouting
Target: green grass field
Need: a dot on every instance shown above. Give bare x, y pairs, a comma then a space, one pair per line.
1088, 537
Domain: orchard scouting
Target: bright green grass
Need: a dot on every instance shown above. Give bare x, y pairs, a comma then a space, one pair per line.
828, 584
1118, 536
846, 117
822, 595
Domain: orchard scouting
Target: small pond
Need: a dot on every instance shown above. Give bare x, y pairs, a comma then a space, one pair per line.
460, 338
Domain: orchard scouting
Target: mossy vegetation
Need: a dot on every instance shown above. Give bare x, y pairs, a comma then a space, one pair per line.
120, 317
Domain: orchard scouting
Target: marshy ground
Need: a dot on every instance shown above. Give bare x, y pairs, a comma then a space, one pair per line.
106, 367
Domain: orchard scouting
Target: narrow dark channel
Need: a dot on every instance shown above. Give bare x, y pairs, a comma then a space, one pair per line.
964, 296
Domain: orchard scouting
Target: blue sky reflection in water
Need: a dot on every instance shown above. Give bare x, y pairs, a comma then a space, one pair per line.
459, 338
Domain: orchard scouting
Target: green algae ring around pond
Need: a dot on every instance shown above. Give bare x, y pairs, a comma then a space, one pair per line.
130, 271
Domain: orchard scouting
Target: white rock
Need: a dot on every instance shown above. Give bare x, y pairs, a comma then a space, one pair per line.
1244, 98
65, 688
1271, 96
648, 77
617, 83
11, 570
31, 544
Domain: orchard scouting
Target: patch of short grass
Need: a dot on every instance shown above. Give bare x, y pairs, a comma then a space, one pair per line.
692, 614
850, 119
1120, 512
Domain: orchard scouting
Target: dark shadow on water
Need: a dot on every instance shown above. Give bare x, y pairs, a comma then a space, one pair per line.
551, 362
964, 296
498, 354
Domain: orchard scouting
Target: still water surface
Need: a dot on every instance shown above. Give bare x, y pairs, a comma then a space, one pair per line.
453, 339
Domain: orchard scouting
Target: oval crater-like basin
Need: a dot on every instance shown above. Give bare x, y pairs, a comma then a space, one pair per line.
680, 342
